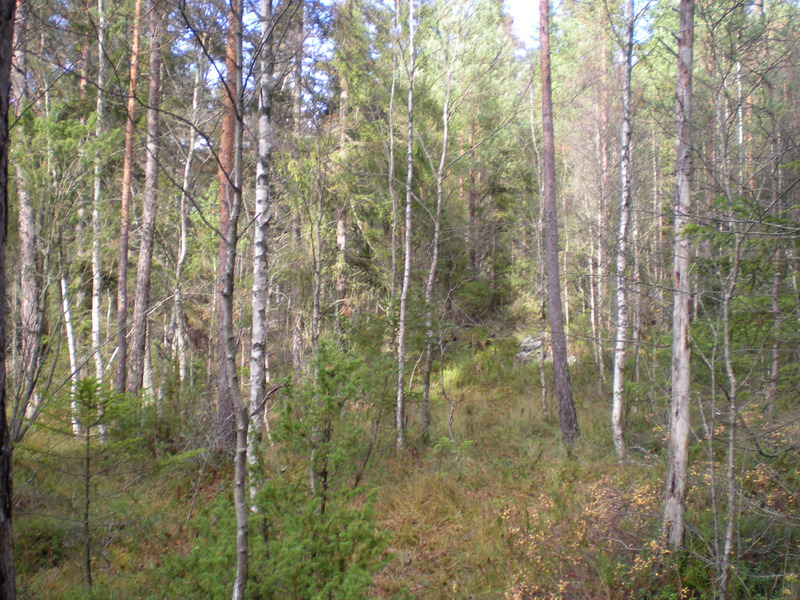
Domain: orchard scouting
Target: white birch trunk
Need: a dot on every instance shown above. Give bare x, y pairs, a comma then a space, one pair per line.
620, 343
179, 342
263, 215
72, 350
97, 275
401, 328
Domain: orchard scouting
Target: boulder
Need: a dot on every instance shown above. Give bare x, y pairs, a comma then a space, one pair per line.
530, 349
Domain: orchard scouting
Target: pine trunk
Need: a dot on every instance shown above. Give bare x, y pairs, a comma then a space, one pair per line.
392, 190
228, 372
7, 589
120, 380
566, 409
142, 298
31, 317
226, 416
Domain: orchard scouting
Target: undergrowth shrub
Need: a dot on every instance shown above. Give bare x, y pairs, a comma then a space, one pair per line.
307, 542
311, 555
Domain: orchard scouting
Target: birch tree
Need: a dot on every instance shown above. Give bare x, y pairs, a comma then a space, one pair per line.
402, 317
439, 171
179, 338
263, 216
97, 192
72, 350
622, 238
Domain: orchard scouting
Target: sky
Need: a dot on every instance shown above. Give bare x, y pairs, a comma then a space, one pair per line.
526, 19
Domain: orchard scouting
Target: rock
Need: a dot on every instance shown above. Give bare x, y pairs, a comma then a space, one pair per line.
530, 349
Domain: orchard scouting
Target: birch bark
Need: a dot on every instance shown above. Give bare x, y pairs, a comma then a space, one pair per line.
620, 344
72, 351
97, 275
263, 216
400, 414
179, 343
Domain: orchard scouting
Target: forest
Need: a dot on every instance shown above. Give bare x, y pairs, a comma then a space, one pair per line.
344, 299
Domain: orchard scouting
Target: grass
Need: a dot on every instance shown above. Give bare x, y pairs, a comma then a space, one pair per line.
506, 511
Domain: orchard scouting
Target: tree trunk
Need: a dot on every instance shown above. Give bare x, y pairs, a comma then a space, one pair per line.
120, 379
678, 445
400, 415
226, 415
434, 264
87, 497
263, 216
392, 190
72, 350
97, 275
566, 409
622, 242
775, 184
315, 310
540, 271
7, 589
233, 193
604, 152
31, 313
341, 206
142, 300
31, 293
729, 288
179, 341
295, 318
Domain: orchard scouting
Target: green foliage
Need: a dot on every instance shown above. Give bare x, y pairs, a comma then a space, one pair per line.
205, 571
318, 545
47, 543
314, 555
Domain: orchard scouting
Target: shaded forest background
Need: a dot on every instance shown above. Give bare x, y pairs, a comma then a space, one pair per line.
342, 252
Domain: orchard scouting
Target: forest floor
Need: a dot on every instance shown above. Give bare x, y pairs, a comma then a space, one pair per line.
502, 510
